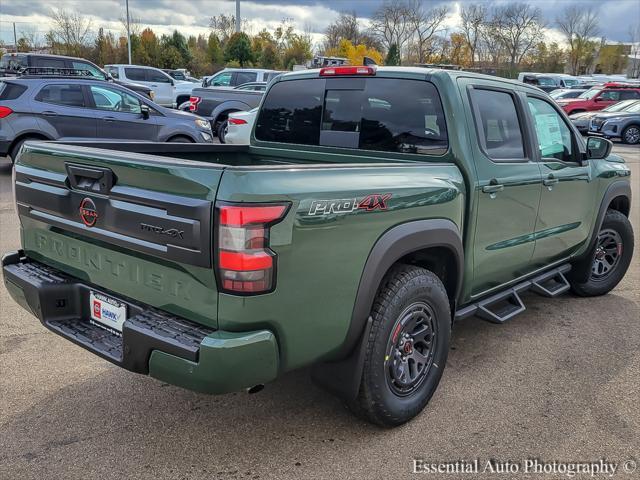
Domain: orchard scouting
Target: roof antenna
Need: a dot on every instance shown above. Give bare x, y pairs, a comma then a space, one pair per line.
369, 62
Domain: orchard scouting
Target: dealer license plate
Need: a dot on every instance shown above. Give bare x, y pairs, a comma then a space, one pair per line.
107, 311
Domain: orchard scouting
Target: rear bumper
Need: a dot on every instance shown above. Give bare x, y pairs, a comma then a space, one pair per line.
153, 342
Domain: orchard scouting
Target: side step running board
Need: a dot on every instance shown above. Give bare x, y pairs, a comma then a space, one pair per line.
507, 304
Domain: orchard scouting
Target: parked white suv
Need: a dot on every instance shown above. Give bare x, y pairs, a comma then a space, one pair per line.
168, 91
232, 77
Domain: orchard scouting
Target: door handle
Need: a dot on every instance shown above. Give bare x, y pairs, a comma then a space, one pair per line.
492, 188
550, 181
109, 119
154, 85
49, 113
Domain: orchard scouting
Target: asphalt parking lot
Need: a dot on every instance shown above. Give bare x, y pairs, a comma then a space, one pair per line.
559, 382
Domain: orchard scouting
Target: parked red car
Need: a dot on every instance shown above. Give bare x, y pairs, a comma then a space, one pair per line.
600, 97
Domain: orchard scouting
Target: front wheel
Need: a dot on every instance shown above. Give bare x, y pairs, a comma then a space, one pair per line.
407, 347
631, 135
610, 257
222, 131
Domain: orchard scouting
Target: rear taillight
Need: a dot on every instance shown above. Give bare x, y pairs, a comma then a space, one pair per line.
193, 103
337, 71
5, 112
245, 263
237, 121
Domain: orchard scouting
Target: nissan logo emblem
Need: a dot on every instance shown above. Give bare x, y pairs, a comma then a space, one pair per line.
88, 212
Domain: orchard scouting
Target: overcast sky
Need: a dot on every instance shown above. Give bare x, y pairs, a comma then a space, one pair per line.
192, 16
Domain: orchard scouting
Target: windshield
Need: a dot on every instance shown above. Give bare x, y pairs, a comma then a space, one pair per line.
570, 82
589, 94
13, 62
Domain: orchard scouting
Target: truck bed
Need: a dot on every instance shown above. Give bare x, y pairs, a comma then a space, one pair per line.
225, 155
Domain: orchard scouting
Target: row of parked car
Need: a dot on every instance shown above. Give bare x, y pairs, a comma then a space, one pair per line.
56, 97
611, 110
65, 98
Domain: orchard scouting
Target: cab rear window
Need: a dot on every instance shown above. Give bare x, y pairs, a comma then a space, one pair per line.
383, 114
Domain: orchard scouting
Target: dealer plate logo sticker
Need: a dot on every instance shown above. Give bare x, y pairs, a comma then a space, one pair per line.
106, 311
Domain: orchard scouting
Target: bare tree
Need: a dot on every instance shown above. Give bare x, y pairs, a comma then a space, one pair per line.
474, 16
518, 27
135, 25
579, 25
344, 28
70, 31
223, 26
425, 24
391, 22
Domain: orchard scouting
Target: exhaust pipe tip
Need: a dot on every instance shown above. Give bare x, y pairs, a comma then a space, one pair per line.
255, 388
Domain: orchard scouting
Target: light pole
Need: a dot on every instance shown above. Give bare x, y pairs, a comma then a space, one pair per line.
128, 32
237, 16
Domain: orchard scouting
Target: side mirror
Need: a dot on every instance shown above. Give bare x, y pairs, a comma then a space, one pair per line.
598, 148
144, 109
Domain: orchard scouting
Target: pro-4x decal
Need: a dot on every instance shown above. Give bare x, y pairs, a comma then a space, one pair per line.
374, 201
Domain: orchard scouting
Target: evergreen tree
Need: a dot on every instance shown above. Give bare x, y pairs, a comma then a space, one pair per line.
238, 48
393, 55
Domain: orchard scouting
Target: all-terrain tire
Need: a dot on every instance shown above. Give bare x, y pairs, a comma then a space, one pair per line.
614, 248
405, 289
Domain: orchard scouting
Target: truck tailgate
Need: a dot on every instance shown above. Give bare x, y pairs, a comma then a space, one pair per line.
138, 226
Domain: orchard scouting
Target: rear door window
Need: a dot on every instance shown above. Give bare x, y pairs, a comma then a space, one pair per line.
11, 91
157, 77
67, 95
45, 62
135, 74
498, 124
245, 77
629, 94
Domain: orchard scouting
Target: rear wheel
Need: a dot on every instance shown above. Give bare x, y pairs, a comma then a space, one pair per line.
631, 134
407, 347
610, 257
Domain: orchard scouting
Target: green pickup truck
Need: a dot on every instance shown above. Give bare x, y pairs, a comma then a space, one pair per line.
373, 209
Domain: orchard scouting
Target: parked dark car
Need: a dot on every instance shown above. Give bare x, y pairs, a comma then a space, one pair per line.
12, 64
63, 108
624, 124
581, 120
216, 104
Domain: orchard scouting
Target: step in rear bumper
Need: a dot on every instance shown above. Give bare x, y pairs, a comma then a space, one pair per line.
153, 342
